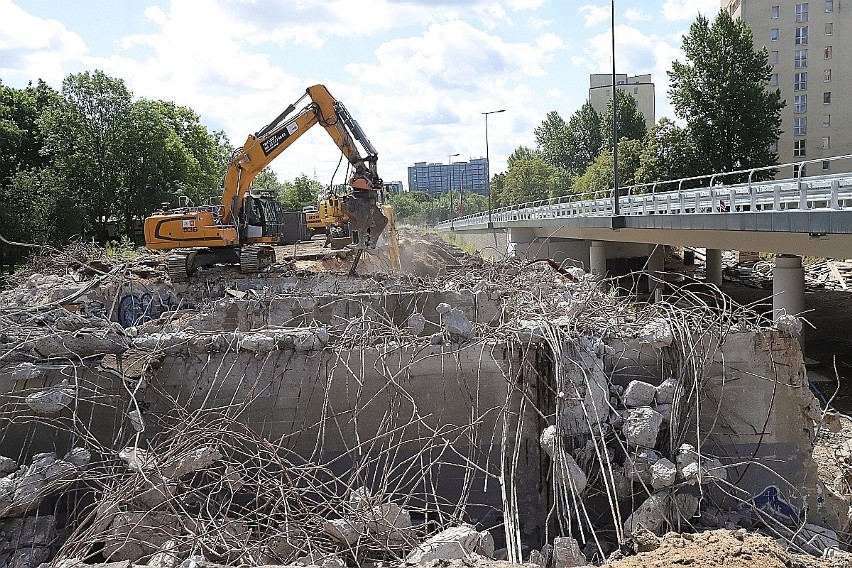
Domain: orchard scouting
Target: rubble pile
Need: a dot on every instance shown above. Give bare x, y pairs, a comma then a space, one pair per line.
515, 411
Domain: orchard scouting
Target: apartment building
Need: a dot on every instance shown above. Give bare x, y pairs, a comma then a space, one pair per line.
811, 56
639, 86
437, 179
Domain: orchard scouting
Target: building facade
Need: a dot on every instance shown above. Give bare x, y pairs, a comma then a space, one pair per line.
639, 86
811, 57
437, 179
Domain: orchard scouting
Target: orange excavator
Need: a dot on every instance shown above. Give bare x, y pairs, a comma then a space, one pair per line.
244, 228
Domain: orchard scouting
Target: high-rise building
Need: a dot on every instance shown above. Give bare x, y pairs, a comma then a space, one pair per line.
437, 179
811, 58
639, 86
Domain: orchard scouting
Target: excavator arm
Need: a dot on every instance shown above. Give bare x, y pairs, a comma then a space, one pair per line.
259, 149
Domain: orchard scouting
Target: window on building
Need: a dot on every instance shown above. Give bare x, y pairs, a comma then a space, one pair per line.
800, 104
802, 35
826, 75
799, 148
773, 80
773, 147
800, 81
800, 59
826, 120
826, 165
829, 5
773, 34
775, 12
635, 90
827, 52
773, 58
829, 28
826, 98
826, 142
800, 125
802, 12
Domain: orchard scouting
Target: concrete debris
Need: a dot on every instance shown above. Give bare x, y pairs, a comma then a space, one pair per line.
639, 393
26, 371
567, 553
443, 308
24, 490
344, 531
641, 426
564, 465
51, 400
322, 560
459, 542
694, 468
660, 510
666, 391
190, 462
167, 557
133, 536
789, 324
136, 420
457, 325
639, 465
7, 465
657, 333
416, 323
663, 474
135, 458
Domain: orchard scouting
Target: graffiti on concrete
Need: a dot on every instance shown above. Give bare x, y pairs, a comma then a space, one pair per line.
771, 501
138, 309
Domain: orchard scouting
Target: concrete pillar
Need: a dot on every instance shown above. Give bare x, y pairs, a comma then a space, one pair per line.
713, 266
519, 243
597, 258
788, 287
656, 267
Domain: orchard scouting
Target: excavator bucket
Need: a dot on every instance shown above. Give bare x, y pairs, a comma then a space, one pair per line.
366, 219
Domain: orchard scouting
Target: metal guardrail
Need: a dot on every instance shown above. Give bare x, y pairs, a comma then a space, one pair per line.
832, 191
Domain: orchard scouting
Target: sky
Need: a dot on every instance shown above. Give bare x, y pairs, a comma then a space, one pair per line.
416, 74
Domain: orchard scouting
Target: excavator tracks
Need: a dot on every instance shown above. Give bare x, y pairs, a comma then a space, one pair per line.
255, 258
177, 266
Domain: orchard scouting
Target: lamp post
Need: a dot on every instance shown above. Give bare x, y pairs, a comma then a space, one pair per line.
488, 162
617, 220
450, 164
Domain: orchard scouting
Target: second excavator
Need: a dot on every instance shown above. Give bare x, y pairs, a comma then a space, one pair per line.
244, 227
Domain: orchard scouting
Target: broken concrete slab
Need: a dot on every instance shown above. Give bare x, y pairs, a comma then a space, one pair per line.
460, 542
639, 393
567, 553
641, 426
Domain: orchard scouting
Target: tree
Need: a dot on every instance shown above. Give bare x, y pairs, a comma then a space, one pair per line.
720, 91
668, 153
599, 175
21, 139
555, 142
631, 122
301, 192
585, 126
528, 178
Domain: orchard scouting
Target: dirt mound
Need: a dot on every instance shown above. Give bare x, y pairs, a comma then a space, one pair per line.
721, 548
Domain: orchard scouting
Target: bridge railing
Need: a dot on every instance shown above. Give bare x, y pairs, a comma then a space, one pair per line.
829, 191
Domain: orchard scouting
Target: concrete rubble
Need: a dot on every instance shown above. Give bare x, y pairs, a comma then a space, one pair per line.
500, 411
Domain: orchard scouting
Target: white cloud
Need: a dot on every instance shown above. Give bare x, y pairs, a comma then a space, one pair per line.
539, 23
636, 15
518, 5
595, 14
678, 10
36, 47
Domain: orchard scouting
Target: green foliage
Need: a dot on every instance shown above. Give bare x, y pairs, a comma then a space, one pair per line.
528, 178
631, 122
586, 130
300, 192
122, 250
720, 91
555, 142
599, 175
418, 207
668, 153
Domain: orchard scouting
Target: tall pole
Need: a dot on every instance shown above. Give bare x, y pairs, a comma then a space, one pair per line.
616, 210
450, 163
488, 163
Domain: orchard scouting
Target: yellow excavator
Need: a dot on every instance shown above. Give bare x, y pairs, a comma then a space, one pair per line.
244, 228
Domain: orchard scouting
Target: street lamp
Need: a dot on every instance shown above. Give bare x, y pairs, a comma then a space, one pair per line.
450, 164
488, 162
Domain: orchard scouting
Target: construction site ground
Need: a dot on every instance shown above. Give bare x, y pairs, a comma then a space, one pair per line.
425, 255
